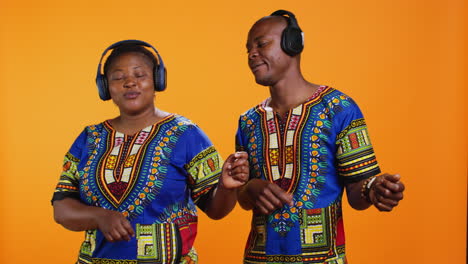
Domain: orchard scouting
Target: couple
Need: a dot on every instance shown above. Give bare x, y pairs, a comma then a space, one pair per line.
132, 183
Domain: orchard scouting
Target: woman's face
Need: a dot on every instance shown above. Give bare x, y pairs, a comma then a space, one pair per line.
131, 85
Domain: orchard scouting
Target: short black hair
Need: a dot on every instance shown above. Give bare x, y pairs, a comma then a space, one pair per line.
128, 48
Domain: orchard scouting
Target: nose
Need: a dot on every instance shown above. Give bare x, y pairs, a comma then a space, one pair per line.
253, 53
129, 82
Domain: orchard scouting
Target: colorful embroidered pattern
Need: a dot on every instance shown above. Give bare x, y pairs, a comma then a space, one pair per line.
324, 143
87, 247
202, 168
113, 261
154, 178
69, 177
138, 191
357, 158
158, 243
321, 230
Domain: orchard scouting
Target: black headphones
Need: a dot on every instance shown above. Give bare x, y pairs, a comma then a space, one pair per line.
292, 39
159, 76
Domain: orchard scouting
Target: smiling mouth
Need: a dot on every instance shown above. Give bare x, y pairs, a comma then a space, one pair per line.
131, 95
255, 67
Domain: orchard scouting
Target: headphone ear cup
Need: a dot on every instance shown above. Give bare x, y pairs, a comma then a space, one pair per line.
160, 75
103, 89
291, 41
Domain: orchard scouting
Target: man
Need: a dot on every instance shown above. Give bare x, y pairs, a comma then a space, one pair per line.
306, 144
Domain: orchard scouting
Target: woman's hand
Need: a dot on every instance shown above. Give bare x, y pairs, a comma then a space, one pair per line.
76, 216
114, 226
386, 192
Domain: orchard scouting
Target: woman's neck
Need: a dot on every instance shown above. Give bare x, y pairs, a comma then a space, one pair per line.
129, 124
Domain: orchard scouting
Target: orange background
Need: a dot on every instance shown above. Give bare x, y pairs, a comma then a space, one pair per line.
403, 61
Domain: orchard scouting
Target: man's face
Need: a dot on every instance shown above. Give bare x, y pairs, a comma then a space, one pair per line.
267, 61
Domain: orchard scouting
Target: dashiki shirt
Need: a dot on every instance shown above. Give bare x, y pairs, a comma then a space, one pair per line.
311, 152
154, 178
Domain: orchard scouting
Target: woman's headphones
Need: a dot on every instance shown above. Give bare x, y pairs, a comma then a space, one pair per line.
159, 75
292, 39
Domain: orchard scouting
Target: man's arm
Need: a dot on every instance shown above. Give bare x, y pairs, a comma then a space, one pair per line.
264, 196
384, 193
235, 173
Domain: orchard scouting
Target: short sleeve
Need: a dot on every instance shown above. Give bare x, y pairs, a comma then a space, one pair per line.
68, 184
203, 164
355, 155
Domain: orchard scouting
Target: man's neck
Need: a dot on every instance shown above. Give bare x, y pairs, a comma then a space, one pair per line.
287, 94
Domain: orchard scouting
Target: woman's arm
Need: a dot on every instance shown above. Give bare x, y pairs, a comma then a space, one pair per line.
76, 216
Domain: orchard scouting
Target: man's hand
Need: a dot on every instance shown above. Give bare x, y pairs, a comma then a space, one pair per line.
266, 196
235, 171
386, 192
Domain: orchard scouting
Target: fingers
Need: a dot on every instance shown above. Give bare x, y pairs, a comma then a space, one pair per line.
392, 181
391, 177
115, 227
241, 155
387, 192
268, 196
128, 228
125, 230
284, 197
236, 159
240, 172
235, 170
268, 203
108, 237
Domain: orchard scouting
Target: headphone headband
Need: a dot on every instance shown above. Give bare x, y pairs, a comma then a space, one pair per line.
291, 18
159, 72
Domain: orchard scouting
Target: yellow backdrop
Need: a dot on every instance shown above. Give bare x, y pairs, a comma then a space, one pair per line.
402, 61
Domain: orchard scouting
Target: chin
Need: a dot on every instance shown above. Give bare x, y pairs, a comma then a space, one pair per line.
264, 81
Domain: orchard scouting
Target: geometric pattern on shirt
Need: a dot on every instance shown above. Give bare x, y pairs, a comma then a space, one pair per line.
120, 165
297, 127
317, 233
87, 247
158, 243
148, 170
69, 177
281, 160
202, 170
356, 157
312, 156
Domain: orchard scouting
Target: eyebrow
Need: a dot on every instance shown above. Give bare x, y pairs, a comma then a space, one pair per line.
259, 37
255, 39
119, 69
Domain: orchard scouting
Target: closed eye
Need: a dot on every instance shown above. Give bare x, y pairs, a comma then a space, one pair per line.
117, 78
262, 44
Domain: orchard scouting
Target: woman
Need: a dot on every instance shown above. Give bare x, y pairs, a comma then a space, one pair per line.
132, 182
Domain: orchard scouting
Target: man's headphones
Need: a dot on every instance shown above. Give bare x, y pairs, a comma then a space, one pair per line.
159, 75
292, 39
